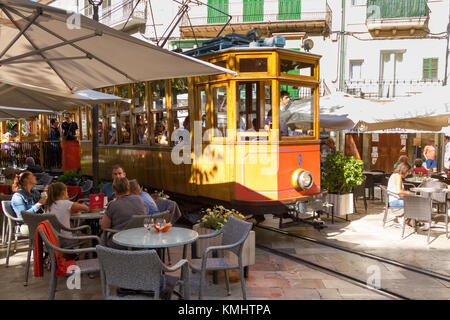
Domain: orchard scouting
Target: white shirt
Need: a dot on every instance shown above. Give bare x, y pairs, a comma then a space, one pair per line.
447, 156
61, 209
392, 187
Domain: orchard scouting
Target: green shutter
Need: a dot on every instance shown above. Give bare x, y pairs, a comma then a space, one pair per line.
382, 9
215, 16
253, 10
289, 9
430, 69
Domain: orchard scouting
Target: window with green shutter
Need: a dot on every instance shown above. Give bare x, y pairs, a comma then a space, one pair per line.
253, 10
215, 16
430, 69
384, 9
289, 9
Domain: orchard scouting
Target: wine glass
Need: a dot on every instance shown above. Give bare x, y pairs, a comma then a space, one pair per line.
159, 223
147, 223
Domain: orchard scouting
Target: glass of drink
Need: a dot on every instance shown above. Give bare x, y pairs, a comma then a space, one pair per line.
147, 223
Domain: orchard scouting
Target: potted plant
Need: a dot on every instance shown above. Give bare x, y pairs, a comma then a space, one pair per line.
159, 194
214, 219
72, 178
340, 174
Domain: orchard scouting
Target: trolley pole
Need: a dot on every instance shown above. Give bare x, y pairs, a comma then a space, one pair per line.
95, 174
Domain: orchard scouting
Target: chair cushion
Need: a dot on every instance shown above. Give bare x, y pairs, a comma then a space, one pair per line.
213, 264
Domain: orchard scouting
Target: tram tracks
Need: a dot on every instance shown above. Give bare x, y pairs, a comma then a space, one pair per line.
295, 245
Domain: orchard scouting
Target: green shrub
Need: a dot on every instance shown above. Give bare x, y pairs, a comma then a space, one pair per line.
72, 178
216, 217
340, 174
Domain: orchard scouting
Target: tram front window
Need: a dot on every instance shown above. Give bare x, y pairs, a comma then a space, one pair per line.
296, 111
140, 114
124, 113
220, 111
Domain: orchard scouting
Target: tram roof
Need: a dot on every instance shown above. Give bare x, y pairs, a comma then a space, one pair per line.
246, 48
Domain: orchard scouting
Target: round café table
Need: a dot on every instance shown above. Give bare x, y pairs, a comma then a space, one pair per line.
142, 238
93, 218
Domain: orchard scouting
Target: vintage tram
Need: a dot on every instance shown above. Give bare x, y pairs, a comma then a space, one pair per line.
238, 144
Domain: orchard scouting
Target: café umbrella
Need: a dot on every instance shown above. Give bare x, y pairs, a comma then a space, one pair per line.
19, 95
52, 48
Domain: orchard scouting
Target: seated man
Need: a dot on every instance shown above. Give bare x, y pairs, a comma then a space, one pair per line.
151, 207
27, 199
32, 167
107, 189
119, 212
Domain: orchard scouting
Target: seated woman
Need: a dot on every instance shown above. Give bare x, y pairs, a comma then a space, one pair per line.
395, 185
419, 169
12, 178
151, 207
122, 208
401, 159
27, 199
58, 205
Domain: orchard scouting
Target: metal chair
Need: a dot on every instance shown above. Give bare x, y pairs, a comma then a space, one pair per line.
437, 198
235, 232
421, 209
385, 195
45, 179
137, 270
85, 266
87, 187
33, 220
4, 197
360, 191
12, 228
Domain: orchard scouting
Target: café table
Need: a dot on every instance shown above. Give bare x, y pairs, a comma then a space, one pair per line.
93, 218
144, 239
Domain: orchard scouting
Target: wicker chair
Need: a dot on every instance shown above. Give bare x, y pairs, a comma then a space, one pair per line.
12, 227
85, 266
235, 232
360, 191
385, 194
137, 270
420, 209
438, 198
33, 220
4, 197
45, 179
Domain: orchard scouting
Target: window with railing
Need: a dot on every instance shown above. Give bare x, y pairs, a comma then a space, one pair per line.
253, 10
381, 9
289, 9
430, 69
217, 16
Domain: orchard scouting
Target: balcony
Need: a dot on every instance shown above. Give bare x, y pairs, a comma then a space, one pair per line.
388, 89
391, 18
314, 19
116, 18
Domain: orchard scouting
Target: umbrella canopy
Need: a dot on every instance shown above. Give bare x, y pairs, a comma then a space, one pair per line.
8, 113
19, 95
338, 111
51, 48
429, 111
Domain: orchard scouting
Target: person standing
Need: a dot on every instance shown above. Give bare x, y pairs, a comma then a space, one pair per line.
55, 144
447, 153
69, 128
429, 152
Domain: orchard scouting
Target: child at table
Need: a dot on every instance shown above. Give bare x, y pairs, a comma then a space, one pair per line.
58, 205
419, 169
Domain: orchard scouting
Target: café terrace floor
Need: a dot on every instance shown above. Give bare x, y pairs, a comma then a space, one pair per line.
276, 277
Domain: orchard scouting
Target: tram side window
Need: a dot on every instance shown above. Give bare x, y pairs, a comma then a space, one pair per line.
124, 115
100, 133
220, 111
84, 124
159, 112
296, 111
297, 68
140, 113
29, 127
180, 111
203, 109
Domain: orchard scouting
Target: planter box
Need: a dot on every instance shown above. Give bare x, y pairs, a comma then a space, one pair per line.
342, 203
248, 251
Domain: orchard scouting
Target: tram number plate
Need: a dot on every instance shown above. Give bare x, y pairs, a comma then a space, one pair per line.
299, 159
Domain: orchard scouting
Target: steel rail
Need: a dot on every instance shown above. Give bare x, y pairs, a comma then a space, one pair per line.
347, 278
429, 273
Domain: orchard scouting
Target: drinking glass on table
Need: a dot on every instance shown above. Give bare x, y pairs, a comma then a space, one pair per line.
148, 223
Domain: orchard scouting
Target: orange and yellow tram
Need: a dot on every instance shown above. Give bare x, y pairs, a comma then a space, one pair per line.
224, 137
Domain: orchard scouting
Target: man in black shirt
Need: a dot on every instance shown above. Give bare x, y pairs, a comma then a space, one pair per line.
69, 128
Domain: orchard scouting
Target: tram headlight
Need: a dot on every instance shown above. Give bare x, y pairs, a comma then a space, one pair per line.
302, 179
